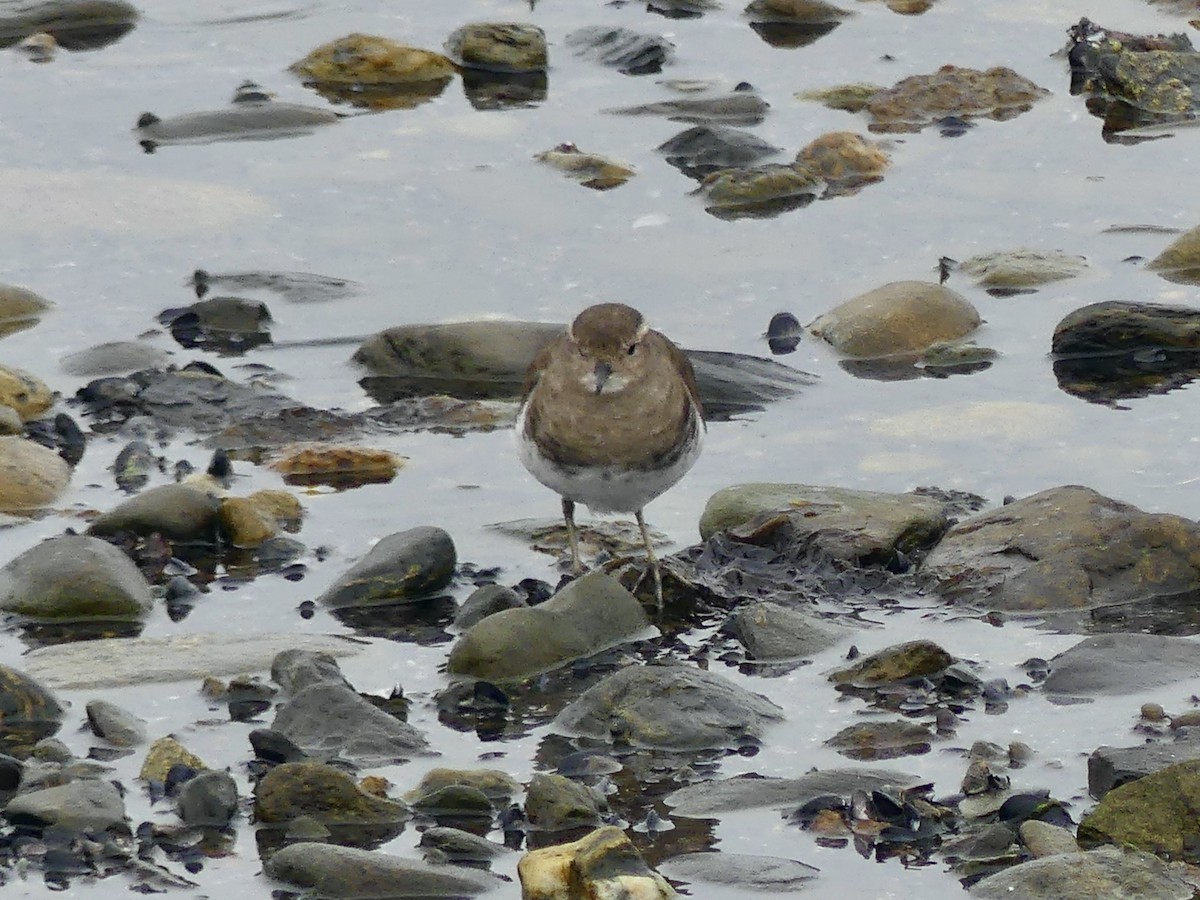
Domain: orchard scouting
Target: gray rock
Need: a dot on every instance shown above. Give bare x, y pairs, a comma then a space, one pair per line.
625, 50
899, 662
897, 318
741, 792
342, 873
407, 565
1115, 326
114, 358
1043, 839
556, 803
456, 845
756, 873
770, 631
703, 149
1064, 548
668, 707
506, 47
209, 800
77, 805
76, 24
329, 720
1122, 664
1022, 268
116, 725
72, 578
183, 513
242, 120
295, 669
588, 615
874, 740
1110, 767
858, 526
741, 107
484, 601
1109, 872
20, 308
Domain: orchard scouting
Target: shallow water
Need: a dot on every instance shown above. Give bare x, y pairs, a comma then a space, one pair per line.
441, 213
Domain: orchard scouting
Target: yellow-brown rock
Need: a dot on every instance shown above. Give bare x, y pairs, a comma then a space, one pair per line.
244, 523
371, 60
28, 395
601, 864
339, 466
31, 475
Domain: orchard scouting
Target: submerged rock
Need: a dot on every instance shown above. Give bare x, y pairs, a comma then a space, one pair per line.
341, 467
73, 24
741, 792
767, 874
328, 870
113, 358
741, 107
770, 631
625, 50
704, 149
904, 317
1022, 268
847, 161
1180, 261
323, 793
882, 740
229, 325
794, 23
759, 191
1106, 664
20, 308
604, 863
918, 101
405, 566
589, 169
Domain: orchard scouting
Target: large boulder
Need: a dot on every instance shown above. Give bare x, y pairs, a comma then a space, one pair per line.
73, 578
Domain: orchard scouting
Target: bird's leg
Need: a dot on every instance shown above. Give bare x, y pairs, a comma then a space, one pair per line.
568, 507
653, 560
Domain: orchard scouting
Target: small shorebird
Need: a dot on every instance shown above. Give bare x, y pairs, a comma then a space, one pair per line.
610, 418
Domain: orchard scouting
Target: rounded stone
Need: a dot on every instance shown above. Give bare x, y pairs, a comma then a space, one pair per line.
31, 475
897, 318
75, 577
25, 393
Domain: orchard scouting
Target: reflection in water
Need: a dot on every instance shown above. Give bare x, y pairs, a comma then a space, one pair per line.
504, 90
1109, 377
790, 35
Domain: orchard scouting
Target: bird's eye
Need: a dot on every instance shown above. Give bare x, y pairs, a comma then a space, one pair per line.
632, 349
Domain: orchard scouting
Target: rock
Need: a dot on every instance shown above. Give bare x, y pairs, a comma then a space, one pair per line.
845, 160
20, 308
485, 601
164, 754
506, 47
589, 169
881, 740
31, 475
668, 707
75, 578
604, 863
408, 565
770, 631
627, 51
337, 466
115, 725
295, 669
230, 325
28, 712
74, 24
75, 806
741, 792
863, 527
701, 150
1119, 326
1022, 268
1108, 872
901, 317
555, 803
768, 874
457, 846
1063, 548
914, 102
330, 796
1111, 767
182, 513
342, 873
208, 800
113, 358
331, 721
588, 615
808, 12
846, 97
900, 662
1107, 664
759, 191
1043, 839
117, 662
1157, 813
365, 59
244, 524
1180, 261
498, 787
10, 421
742, 107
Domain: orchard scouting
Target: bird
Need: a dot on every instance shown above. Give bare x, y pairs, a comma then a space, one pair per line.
611, 418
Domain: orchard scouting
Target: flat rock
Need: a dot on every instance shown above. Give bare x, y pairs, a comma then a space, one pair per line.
1108, 872
744, 870
113, 358
78, 805
770, 631
897, 318
1108, 664
742, 792
1111, 767
1022, 268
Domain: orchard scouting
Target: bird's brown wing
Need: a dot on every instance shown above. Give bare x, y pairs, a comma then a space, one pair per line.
681, 362
534, 372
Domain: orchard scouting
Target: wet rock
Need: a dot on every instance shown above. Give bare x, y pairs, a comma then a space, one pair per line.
1107, 872
456, 803
784, 333
1122, 326
915, 102
405, 566
243, 524
498, 47
496, 786
740, 870
847, 161
555, 803
31, 476
227, 325
742, 792
73, 578
340, 467
1111, 767
208, 800
881, 740
60, 434
897, 318
704, 149
1066, 547
294, 287
24, 392
1043, 839
1156, 813
365, 60
484, 601
759, 191
28, 712
330, 796
328, 720
252, 116
20, 308
793, 23
590, 169
77, 805
604, 863
1107, 664
116, 725
588, 615
113, 358
901, 662
625, 50
295, 669
864, 527
74, 24
1022, 268
770, 631
165, 754
1180, 261
668, 707
846, 97
742, 107
457, 846
332, 871
184, 513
